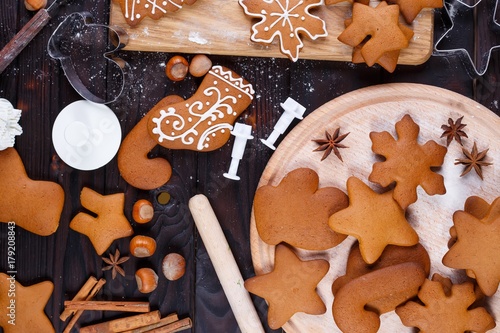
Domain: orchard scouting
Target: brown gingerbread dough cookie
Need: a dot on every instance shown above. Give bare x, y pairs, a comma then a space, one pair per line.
297, 211
22, 308
134, 11
443, 312
376, 220
407, 163
477, 245
290, 287
411, 8
33, 205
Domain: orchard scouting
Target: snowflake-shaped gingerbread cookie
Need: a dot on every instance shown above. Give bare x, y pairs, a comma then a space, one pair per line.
286, 19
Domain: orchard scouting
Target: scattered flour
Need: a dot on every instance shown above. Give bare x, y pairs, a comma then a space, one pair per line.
196, 38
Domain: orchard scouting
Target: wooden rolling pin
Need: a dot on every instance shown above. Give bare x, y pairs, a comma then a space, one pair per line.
225, 266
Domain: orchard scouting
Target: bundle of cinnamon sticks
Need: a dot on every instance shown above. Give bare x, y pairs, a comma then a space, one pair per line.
146, 322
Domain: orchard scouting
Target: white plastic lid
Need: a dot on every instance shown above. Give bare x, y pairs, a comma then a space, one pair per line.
86, 135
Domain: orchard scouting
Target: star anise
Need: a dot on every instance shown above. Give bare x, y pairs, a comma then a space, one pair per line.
473, 159
114, 263
454, 130
331, 143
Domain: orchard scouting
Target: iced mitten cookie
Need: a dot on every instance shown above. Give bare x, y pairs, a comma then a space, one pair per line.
134, 11
204, 121
297, 211
34, 205
407, 163
28, 310
477, 245
287, 20
290, 287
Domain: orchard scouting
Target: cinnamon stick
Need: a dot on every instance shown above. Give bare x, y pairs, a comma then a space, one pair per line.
79, 313
80, 296
107, 306
171, 318
122, 324
177, 326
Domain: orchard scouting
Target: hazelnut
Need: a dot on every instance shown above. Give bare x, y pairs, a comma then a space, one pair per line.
200, 65
177, 68
173, 266
146, 279
34, 5
142, 211
142, 246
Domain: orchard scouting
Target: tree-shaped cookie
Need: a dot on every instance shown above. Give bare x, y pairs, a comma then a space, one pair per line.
381, 24
376, 220
407, 163
443, 312
287, 20
477, 246
110, 222
297, 212
290, 287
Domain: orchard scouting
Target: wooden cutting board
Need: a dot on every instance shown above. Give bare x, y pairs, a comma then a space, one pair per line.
221, 27
377, 109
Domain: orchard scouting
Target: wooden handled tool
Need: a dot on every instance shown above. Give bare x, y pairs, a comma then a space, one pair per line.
225, 265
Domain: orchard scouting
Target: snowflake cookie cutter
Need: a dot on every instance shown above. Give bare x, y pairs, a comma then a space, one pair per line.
86, 51
482, 12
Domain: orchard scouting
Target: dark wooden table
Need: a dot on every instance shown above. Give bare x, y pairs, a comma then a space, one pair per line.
35, 83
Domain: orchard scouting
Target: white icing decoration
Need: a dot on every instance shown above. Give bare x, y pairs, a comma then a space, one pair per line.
151, 5
9, 127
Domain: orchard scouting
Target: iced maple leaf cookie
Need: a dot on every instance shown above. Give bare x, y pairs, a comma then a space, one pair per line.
286, 19
407, 163
477, 245
134, 11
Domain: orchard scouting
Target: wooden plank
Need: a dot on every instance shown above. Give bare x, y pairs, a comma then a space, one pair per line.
221, 27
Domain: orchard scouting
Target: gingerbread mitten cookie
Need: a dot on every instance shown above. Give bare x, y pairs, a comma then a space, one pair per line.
204, 121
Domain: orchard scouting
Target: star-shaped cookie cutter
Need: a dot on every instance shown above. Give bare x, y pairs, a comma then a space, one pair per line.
445, 44
86, 51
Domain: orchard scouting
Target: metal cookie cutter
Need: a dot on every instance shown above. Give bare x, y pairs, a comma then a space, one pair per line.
460, 38
86, 52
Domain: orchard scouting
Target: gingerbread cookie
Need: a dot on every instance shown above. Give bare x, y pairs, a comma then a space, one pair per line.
204, 121
134, 11
477, 246
410, 8
333, 2
381, 25
110, 223
290, 287
376, 220
22, 308
297, 212
442, 312
288, 20
407, 163
32, 204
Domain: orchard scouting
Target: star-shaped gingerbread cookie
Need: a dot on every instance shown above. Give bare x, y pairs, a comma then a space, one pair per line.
110, 223
290, 287
407, 163
376, 220
22, 308
410, 8
477, 247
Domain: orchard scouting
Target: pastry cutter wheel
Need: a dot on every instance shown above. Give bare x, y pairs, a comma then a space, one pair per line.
477, 55
27, 33
86, 51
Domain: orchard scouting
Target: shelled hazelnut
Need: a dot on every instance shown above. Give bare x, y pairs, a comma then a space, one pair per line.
177, 68
200, 65
142, 211
173, 266
34, 5
142, 246
146, 279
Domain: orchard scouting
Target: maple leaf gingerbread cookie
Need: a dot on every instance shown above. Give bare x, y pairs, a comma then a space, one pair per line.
381, 24
287, 20
290, 287
407, 163
445, 312
376, 220
297, 211
477, 245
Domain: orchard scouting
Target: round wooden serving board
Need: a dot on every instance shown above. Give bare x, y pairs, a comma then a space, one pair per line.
377, 109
